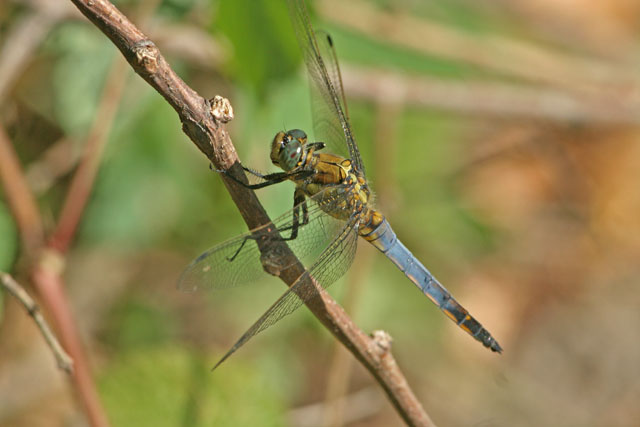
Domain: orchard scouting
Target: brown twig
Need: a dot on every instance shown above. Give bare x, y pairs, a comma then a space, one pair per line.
47, 277
62, 358
46, 274
213, 140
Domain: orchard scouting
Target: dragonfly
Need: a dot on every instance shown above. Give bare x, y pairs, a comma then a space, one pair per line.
332, 208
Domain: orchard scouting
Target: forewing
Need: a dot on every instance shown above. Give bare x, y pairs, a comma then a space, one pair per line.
331, 124
328, 54
334, 261
239, 261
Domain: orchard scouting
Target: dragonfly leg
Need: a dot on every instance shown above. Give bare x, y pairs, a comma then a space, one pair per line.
269, 179
255, 172
316, 146
299, 202
232, 257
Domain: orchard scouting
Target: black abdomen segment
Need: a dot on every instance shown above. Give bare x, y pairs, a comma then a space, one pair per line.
384, 238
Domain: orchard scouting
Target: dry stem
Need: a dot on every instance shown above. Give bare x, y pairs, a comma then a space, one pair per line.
64, 360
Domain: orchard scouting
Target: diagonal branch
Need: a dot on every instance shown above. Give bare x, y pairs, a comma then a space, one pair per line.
46, 275
213, 140
77, 197
46, 260
23, 205
519, 59
62, 358
496, 99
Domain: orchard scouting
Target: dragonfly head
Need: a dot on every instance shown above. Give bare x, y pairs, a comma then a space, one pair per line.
287, 148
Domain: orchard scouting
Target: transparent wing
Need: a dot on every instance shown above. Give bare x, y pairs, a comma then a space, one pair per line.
334, 261
328, 54
239, 261
331, 124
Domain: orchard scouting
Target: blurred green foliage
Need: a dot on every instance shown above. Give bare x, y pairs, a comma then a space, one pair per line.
171, 386
155, 172
8, 247
135, 324
9, 241
83, 57
264, 50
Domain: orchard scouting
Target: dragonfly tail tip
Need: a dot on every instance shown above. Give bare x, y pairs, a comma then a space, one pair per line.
225, 357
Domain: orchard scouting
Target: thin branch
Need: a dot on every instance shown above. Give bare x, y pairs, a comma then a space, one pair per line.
83, 180
340, 365
21, 202
54, 162
385, 141
46, 274
507, 56
490, 98
62, 358
26, 35
213, 140
46, 271
193, 45
354, 407
47, 277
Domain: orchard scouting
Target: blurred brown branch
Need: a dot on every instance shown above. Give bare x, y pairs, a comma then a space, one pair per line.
507, 56
46, 261
64, 361
547, 83
84, 177
489, 98
25, 36
213, 140
337, 407
54, 162
20, 199
353, 407
45, 271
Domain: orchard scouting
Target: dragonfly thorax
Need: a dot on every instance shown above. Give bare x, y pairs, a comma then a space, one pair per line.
287, 148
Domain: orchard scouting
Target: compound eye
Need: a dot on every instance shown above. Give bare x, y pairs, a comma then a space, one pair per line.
298, 134
290, 155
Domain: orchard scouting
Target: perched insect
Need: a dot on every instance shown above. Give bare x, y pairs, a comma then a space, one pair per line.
331, 208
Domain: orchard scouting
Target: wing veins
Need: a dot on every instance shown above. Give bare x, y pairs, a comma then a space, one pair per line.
316, 66
212, 269
304, 287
